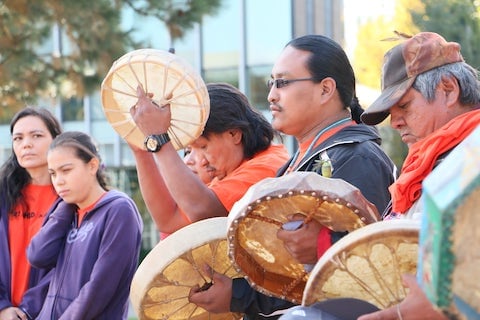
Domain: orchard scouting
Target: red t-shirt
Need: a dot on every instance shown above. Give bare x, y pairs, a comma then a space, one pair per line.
83, 212
23, 223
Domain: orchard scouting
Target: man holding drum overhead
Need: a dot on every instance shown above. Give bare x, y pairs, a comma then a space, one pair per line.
312, 97
235, 146
433, 99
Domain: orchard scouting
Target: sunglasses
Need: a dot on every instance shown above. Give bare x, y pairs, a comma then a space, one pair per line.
280, 83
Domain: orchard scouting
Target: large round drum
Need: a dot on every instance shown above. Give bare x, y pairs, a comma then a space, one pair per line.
255, 219
367, 264
170, 79
162, 282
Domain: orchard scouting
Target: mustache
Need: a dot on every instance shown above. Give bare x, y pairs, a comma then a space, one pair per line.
276, 105
211, 170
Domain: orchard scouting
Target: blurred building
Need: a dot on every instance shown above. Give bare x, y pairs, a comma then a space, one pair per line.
238, 45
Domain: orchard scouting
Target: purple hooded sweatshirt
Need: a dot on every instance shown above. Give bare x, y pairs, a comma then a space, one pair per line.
94, 263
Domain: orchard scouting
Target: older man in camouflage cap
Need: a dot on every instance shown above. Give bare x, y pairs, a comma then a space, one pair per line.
433, 99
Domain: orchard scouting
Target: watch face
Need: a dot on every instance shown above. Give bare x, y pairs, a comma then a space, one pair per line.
151, 144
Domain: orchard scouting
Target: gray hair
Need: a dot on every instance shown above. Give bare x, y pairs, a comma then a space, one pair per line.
467, 77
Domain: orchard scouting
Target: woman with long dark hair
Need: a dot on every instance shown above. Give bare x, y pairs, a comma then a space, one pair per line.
26, 194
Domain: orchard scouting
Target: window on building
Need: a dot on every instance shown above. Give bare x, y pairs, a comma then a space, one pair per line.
72, 109
96, 110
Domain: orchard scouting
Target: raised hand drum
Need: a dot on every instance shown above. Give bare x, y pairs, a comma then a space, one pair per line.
163, 280
170, 79
367, 264
255, 219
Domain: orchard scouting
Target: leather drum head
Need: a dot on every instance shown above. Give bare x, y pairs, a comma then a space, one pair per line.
255, 219
163, 280
170, 79
367, 264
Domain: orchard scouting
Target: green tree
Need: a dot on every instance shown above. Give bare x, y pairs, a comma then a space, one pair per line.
377, 36
92, 39
178, 16
28, 70
455, 20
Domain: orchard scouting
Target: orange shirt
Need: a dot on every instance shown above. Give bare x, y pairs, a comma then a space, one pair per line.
305, 146
263, 165
230, 189
23, 224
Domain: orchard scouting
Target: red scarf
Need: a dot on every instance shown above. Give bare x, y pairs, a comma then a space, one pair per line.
422, 156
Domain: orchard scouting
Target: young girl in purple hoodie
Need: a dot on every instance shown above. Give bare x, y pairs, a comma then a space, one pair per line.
92, 237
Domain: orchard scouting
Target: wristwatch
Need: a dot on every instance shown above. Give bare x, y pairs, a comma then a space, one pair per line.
154, 142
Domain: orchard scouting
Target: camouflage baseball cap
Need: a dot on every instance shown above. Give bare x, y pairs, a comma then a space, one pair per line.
403, 63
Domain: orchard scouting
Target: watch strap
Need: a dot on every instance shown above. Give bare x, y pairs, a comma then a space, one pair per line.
161, 139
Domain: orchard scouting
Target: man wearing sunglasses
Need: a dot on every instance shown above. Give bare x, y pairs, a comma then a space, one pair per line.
312, 97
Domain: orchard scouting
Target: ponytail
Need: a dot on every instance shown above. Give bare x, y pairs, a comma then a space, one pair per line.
356, 110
